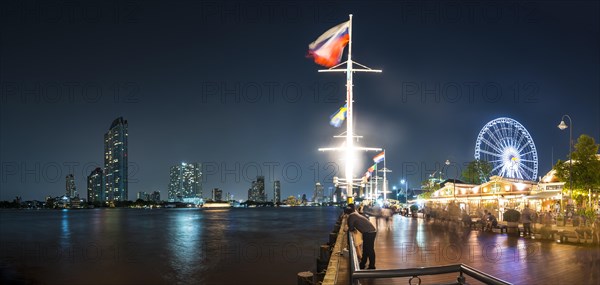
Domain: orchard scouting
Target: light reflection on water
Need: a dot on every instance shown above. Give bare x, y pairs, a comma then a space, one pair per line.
185, 234
65, 237
165, 246
418, 243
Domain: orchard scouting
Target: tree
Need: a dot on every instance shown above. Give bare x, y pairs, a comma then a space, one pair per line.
291, 200
585, 166
477, 172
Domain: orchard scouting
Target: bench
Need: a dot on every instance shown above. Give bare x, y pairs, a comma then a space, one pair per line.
544, 233
566, 234
579, 234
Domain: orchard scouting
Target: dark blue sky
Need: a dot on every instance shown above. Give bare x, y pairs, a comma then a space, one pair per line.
228, 85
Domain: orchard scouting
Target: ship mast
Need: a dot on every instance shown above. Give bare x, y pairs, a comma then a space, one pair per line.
349, 149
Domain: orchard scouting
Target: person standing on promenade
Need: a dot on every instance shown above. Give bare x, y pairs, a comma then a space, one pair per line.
526, 218
363, 225
492, 222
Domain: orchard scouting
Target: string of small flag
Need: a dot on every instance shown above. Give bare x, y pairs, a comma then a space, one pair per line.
327, 51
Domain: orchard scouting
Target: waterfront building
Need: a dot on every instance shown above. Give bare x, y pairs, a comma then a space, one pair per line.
115, 161
155, 196
185, 182
337, 195
70, 189
257, 190
496, 195
276, 191
143, 195
217, 194
318, 195
76, 203
95, 186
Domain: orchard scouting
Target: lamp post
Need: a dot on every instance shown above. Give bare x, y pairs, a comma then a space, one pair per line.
453, 182
563, 126
385, 188
405, 190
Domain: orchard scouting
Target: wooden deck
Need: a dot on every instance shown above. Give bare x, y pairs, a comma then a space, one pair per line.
411, 242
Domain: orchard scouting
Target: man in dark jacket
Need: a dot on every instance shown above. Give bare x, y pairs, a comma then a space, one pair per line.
364, 226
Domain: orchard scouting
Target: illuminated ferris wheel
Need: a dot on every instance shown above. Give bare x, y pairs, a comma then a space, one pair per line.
508, 146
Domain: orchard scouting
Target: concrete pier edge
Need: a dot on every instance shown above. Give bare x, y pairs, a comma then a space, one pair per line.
337, 270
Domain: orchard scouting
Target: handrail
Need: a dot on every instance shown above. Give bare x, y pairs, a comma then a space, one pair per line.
357, 273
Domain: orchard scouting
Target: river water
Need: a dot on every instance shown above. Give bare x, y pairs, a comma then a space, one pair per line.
162, 246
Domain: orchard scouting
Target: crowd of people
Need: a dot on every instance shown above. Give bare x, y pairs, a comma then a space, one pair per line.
364, 231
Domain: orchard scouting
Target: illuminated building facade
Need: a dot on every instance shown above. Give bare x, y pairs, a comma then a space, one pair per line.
70, 189
115, 161
318, 195
185, 182
217, 194
257, 191
95, 186
276, 191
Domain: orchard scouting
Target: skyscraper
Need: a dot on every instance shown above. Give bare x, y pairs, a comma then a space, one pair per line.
70, 190
260, 184
276, 191
185, 182
217, 194
318, 195
95, 186
115, 161
257, 191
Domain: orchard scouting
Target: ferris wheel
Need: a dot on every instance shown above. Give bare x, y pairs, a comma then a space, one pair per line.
508, 146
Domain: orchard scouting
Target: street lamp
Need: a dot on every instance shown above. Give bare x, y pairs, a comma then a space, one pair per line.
405, 190
563, 126
453, 182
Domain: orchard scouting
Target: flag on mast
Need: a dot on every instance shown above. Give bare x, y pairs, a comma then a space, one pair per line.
328, 48
372, 168
338, 118
379, 158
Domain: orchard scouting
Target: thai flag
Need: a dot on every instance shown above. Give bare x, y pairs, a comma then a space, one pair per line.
328, 48
338, 118
379, 158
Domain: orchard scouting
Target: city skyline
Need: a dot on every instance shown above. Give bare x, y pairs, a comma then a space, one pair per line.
235, 106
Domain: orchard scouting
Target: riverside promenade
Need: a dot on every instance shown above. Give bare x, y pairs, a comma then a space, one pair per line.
415, 242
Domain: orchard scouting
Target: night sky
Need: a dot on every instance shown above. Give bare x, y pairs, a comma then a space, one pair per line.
228, 85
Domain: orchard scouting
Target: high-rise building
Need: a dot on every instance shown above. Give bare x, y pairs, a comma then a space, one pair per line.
155, 196
217, 194
257, 191
95, 186
276, 191
70, 190
143, 195
185, 182
318, 195
260, 184
337, 195
329, 195
115, 161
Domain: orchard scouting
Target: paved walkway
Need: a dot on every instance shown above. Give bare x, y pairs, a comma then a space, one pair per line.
408, 243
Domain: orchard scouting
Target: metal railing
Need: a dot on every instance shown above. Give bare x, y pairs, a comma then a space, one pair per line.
356, 273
